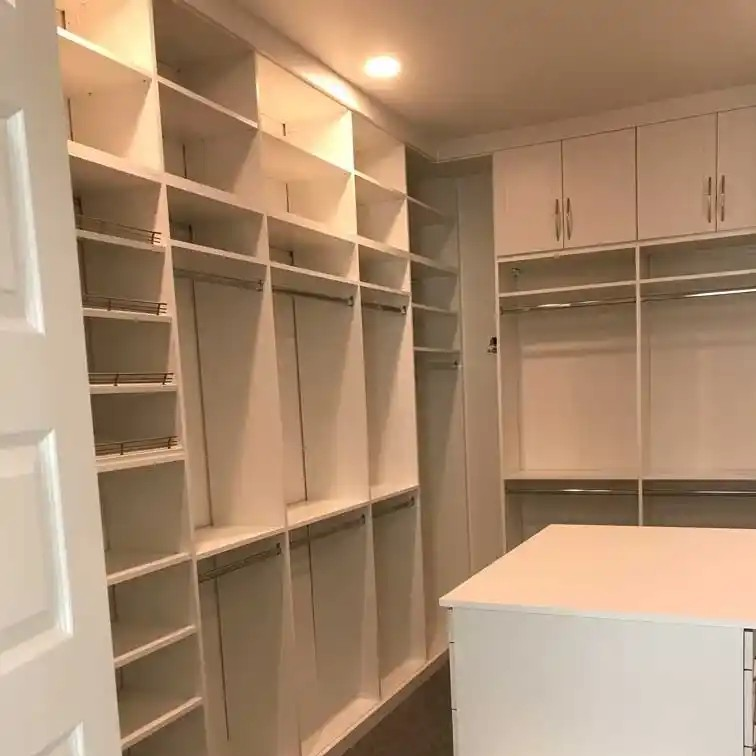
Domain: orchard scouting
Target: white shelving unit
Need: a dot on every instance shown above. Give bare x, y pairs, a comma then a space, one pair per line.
269, 288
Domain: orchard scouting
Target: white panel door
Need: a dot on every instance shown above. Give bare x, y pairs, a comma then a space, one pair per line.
599, 189
736, 184
528, 199
677, 177
57, 688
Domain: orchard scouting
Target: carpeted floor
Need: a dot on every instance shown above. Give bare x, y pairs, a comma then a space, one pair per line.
420, 726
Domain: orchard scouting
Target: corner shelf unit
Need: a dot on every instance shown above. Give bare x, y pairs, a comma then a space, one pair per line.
269, 293
626, 377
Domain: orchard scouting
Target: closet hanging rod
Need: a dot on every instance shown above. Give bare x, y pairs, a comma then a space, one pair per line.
226, 569
349, 301
240, 283
309, 538
399, 309
385, 511
627, 300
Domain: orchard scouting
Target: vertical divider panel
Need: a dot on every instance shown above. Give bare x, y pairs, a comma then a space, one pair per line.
641, 382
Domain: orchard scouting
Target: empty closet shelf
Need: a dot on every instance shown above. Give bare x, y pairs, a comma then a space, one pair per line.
285, 160
138, 458
573, 475
424, 309
369, 191
213, 540
425, 267
441, 351
703, 285
132, 642
189, 201
384, 296
288, 279
338, 725
131, 383
121, 566
398, 677
424, 214
102, 233
309, 512
294, 233
566, 295
94, 170
188, 115
86, 67
210, 261
143, 713
372, 250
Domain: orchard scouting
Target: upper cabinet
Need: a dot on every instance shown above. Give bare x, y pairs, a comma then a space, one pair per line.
736, 165
677, 177
528, 199
575, 193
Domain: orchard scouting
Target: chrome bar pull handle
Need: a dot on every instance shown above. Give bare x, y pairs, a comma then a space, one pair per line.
722, 198
709, 186
558, 220
569, 218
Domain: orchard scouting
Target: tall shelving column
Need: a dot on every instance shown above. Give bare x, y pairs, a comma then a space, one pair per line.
116, 160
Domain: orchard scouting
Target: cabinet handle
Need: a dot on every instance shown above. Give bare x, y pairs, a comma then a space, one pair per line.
722, 197
709, 183
569, 218
558, 220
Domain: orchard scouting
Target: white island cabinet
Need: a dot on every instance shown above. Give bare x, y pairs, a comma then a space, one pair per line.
599, 641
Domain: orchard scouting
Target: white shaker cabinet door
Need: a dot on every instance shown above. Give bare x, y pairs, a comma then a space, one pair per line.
599, 189
736, 183
677, 177
528, 212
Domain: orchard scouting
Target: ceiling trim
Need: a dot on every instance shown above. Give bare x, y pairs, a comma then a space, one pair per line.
284, 52
611, 120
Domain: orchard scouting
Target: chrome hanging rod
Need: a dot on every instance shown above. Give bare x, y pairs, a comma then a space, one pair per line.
626, 300
399, 309
385, 511
310, 537
212, 278
226, 569
349, 301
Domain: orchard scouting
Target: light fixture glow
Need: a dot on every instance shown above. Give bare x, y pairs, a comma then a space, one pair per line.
382, 67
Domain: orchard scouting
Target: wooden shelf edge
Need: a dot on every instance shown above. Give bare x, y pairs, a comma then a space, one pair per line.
211, 541
175, 710
162, 638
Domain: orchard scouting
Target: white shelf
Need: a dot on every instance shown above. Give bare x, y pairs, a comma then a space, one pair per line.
133, 642
188, 115
384, 295
121, 566
308, 512
132, 460
558, 254
220, 262
377, 251
556, 291
142, 713
338, 726
132, 388
210, 541
285, 161
86, 67
400, 676
430, 309
421, 350
694, 474
369, 191
424, 267
106, 241
618, 474
190, 201
289, 232
425, 214
311, 282
94, 170
382, 493
137, 317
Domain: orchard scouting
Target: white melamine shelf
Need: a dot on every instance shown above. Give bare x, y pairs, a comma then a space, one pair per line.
121, 566
213, 540
706, 240
188, 115
703, 475
627, 286
189, 200
431, 310
558, 254
132, 460
137, 317
425, 214
395, 680
133, 642
452, 352
86, 67
310, 281
338, 726
384, 295
424, 267
105, 241
678, 282
99, 389
142, 713
384, 492
285, 161
618, 474
288, 231
377, 251
213, 261
304, 513
370, 191
95, 169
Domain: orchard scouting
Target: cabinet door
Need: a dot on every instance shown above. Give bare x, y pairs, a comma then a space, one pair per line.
599, 189
676, 177
528, 199
736, 188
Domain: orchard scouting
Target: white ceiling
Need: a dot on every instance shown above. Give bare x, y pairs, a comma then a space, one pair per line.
473, 66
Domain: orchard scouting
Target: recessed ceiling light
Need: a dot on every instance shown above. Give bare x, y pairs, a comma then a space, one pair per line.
382, 67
